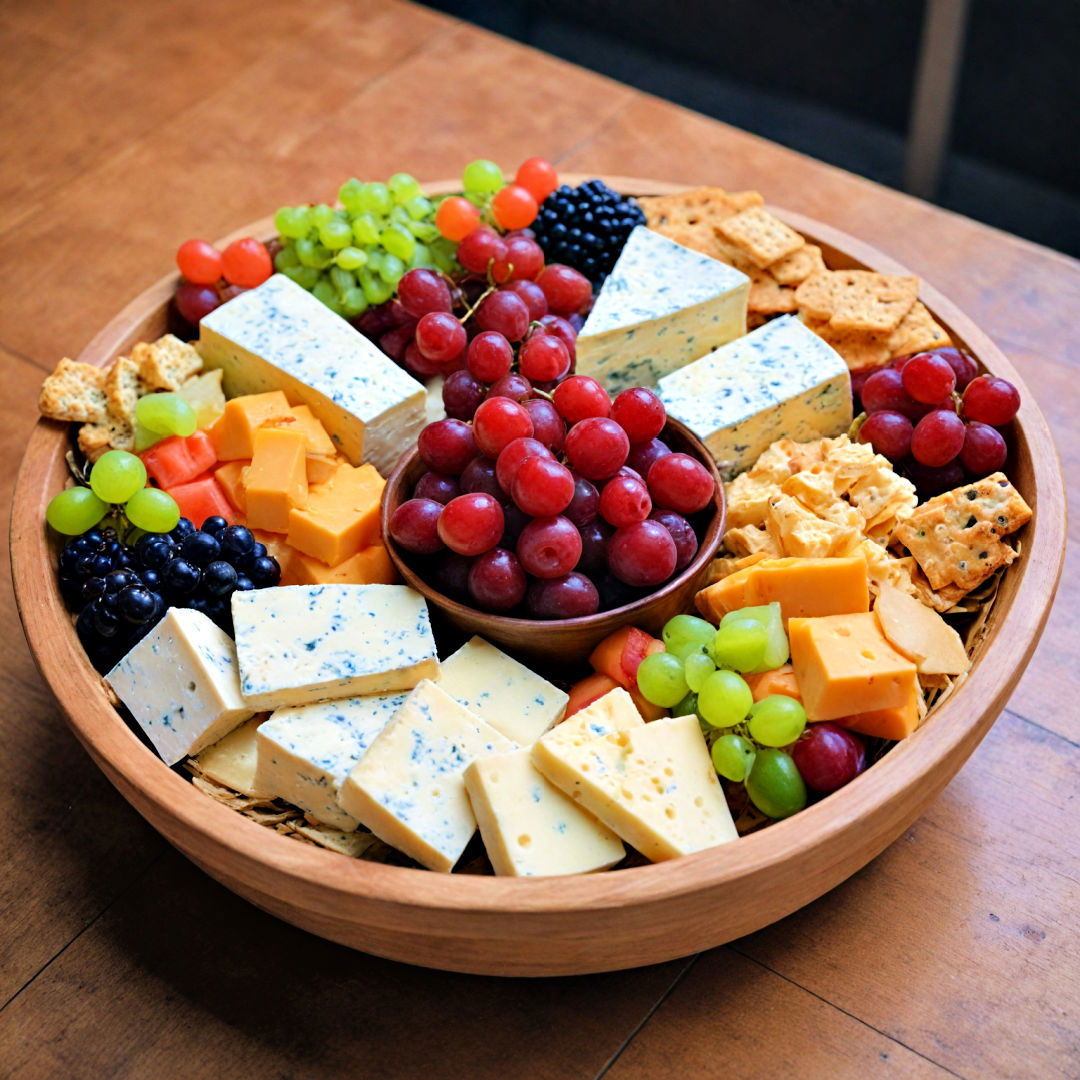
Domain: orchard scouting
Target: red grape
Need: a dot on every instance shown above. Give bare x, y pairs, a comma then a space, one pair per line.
514, 207
580, 397
199, 262
477, 250
549, 547
504, 312
884, 391
194, 302
682, 532
571, 597
889, 433
543, 487
597, 447
471, 524
643, 455
462, 393
543, 357
548, 426
516, 520
557, 325
991, 400
447, 446
859, 379
585, 504
414, 525
984, 449
524, 259
538, 177
595, 535
438, 487
566, 289
828, 757
440, 337
680, 482
513, 386
928, 378
938, 438
246, 262
450, 574
624, 500
499, 421
479, 476
532, 294
496, 581
490, 356
964, 366
642, 554
513, 455
395, 342
419, 364
640, 413
932, 481
423, 291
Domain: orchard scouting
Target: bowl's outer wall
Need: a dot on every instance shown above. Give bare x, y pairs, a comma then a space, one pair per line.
551, 926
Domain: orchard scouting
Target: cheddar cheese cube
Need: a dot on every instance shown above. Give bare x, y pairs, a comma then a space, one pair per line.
369, 566
844, 665
340, 517
895, 723
276, 482
231, 478
233, 435
320, 469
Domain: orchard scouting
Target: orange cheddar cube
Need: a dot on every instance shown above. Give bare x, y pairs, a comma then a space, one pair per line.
896, 723
301, 418
231, 478
341, 516
844, 666
276, 481
780, 680
320, 469
369, 566
727, 594
233, 433
277, 547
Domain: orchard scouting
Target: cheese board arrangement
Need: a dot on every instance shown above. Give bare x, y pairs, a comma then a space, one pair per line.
535, 577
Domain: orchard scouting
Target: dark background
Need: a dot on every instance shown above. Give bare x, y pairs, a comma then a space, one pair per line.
834, 79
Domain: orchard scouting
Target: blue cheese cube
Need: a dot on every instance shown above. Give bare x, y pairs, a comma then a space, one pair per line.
180, 683
409, 788
304, 754
280, 337
302, 643
662, 306
781, 380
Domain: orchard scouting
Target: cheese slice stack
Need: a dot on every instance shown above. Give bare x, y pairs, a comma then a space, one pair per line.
662, 306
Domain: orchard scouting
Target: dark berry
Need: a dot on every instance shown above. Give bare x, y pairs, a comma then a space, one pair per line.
214, 525
180, 576
150, 578
183, 528
91, 589
153, 550
264, 572
137, 604
120, 579
236, 541
106, 623
219, 578
200, 548
244, 584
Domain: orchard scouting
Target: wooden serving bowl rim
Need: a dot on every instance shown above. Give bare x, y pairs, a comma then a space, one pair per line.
887, 796
707, 549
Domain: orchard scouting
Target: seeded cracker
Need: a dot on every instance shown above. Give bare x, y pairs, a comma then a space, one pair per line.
74, 392
705, 204
794, 269
760, 235
917, 331
124, 387
166, 363
858, 301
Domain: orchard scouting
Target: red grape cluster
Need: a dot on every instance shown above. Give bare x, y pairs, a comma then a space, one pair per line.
936, 417
552, 505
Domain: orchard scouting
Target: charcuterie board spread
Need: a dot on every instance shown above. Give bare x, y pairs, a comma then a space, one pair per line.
535, 402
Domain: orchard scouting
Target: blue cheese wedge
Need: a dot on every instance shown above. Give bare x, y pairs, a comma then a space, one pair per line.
653, 785
409, 789
662, 306
505, 693
180, 683
306, 753
529, 827
302, 643
280, 337
780, 381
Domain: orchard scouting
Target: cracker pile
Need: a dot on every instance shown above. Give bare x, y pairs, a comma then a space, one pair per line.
103, 399
868, 318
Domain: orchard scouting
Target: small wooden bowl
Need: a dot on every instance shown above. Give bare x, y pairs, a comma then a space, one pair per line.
556, 643
553, 926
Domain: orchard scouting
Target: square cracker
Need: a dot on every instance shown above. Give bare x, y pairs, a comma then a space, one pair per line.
858, 350
704, 204
858, 301
769, 297
760, 235
123, 387
167, 363
74, 392
917, 331
795, 268
112, 434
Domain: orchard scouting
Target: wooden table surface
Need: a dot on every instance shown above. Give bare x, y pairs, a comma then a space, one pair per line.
129, 127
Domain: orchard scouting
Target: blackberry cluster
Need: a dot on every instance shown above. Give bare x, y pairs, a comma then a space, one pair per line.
121, 592
586, 227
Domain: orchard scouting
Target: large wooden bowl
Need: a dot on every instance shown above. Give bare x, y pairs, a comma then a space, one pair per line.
562, 644
556, 925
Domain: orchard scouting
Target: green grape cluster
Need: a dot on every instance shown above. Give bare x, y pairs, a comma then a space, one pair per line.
352, 257
701, 672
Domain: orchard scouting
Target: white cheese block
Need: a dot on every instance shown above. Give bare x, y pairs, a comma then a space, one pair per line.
780, 380
505, 693
302, 643
280, 337
231, 761
306, 753
661, 307
615, 711
180, 683
408, 789
653, 785
529, 827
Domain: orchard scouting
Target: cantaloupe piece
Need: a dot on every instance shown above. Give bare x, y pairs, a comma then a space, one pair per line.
587, 690
780, 680
620, 654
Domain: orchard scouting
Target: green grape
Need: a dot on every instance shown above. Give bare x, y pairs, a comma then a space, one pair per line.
774, 784
398, 241
321, 214
335, 235
350, 258
697, 667
309, 253
777, 720
403, 188
660, 679
375, 256
686, 707
392, 269
285, 258
421, 256
482, 177
733, 757
424, 231
74, 511
304, 276
168, 414
353, 302
724, 699
400, 216
341, 280
768, 616
419, 208
325, 291
152, 510
117, 475
366, 229
739, 645
686, 634
293, 222
349, 195
374, 199
145, 438
376, 290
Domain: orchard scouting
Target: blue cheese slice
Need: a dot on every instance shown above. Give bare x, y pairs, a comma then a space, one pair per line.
529, 827
305, 754
662, 306
409, 789
180, 683
510, 697
280, 337
302, 643
780, 380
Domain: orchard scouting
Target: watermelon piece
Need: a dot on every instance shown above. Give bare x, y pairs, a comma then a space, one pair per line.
588, 690
203, 498
179, 460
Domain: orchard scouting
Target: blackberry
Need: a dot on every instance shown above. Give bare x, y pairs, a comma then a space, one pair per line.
586, 227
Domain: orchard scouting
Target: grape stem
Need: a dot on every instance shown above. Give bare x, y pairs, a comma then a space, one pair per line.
469, 312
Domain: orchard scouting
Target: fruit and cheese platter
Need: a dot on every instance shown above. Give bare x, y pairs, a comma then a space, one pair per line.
535, 575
